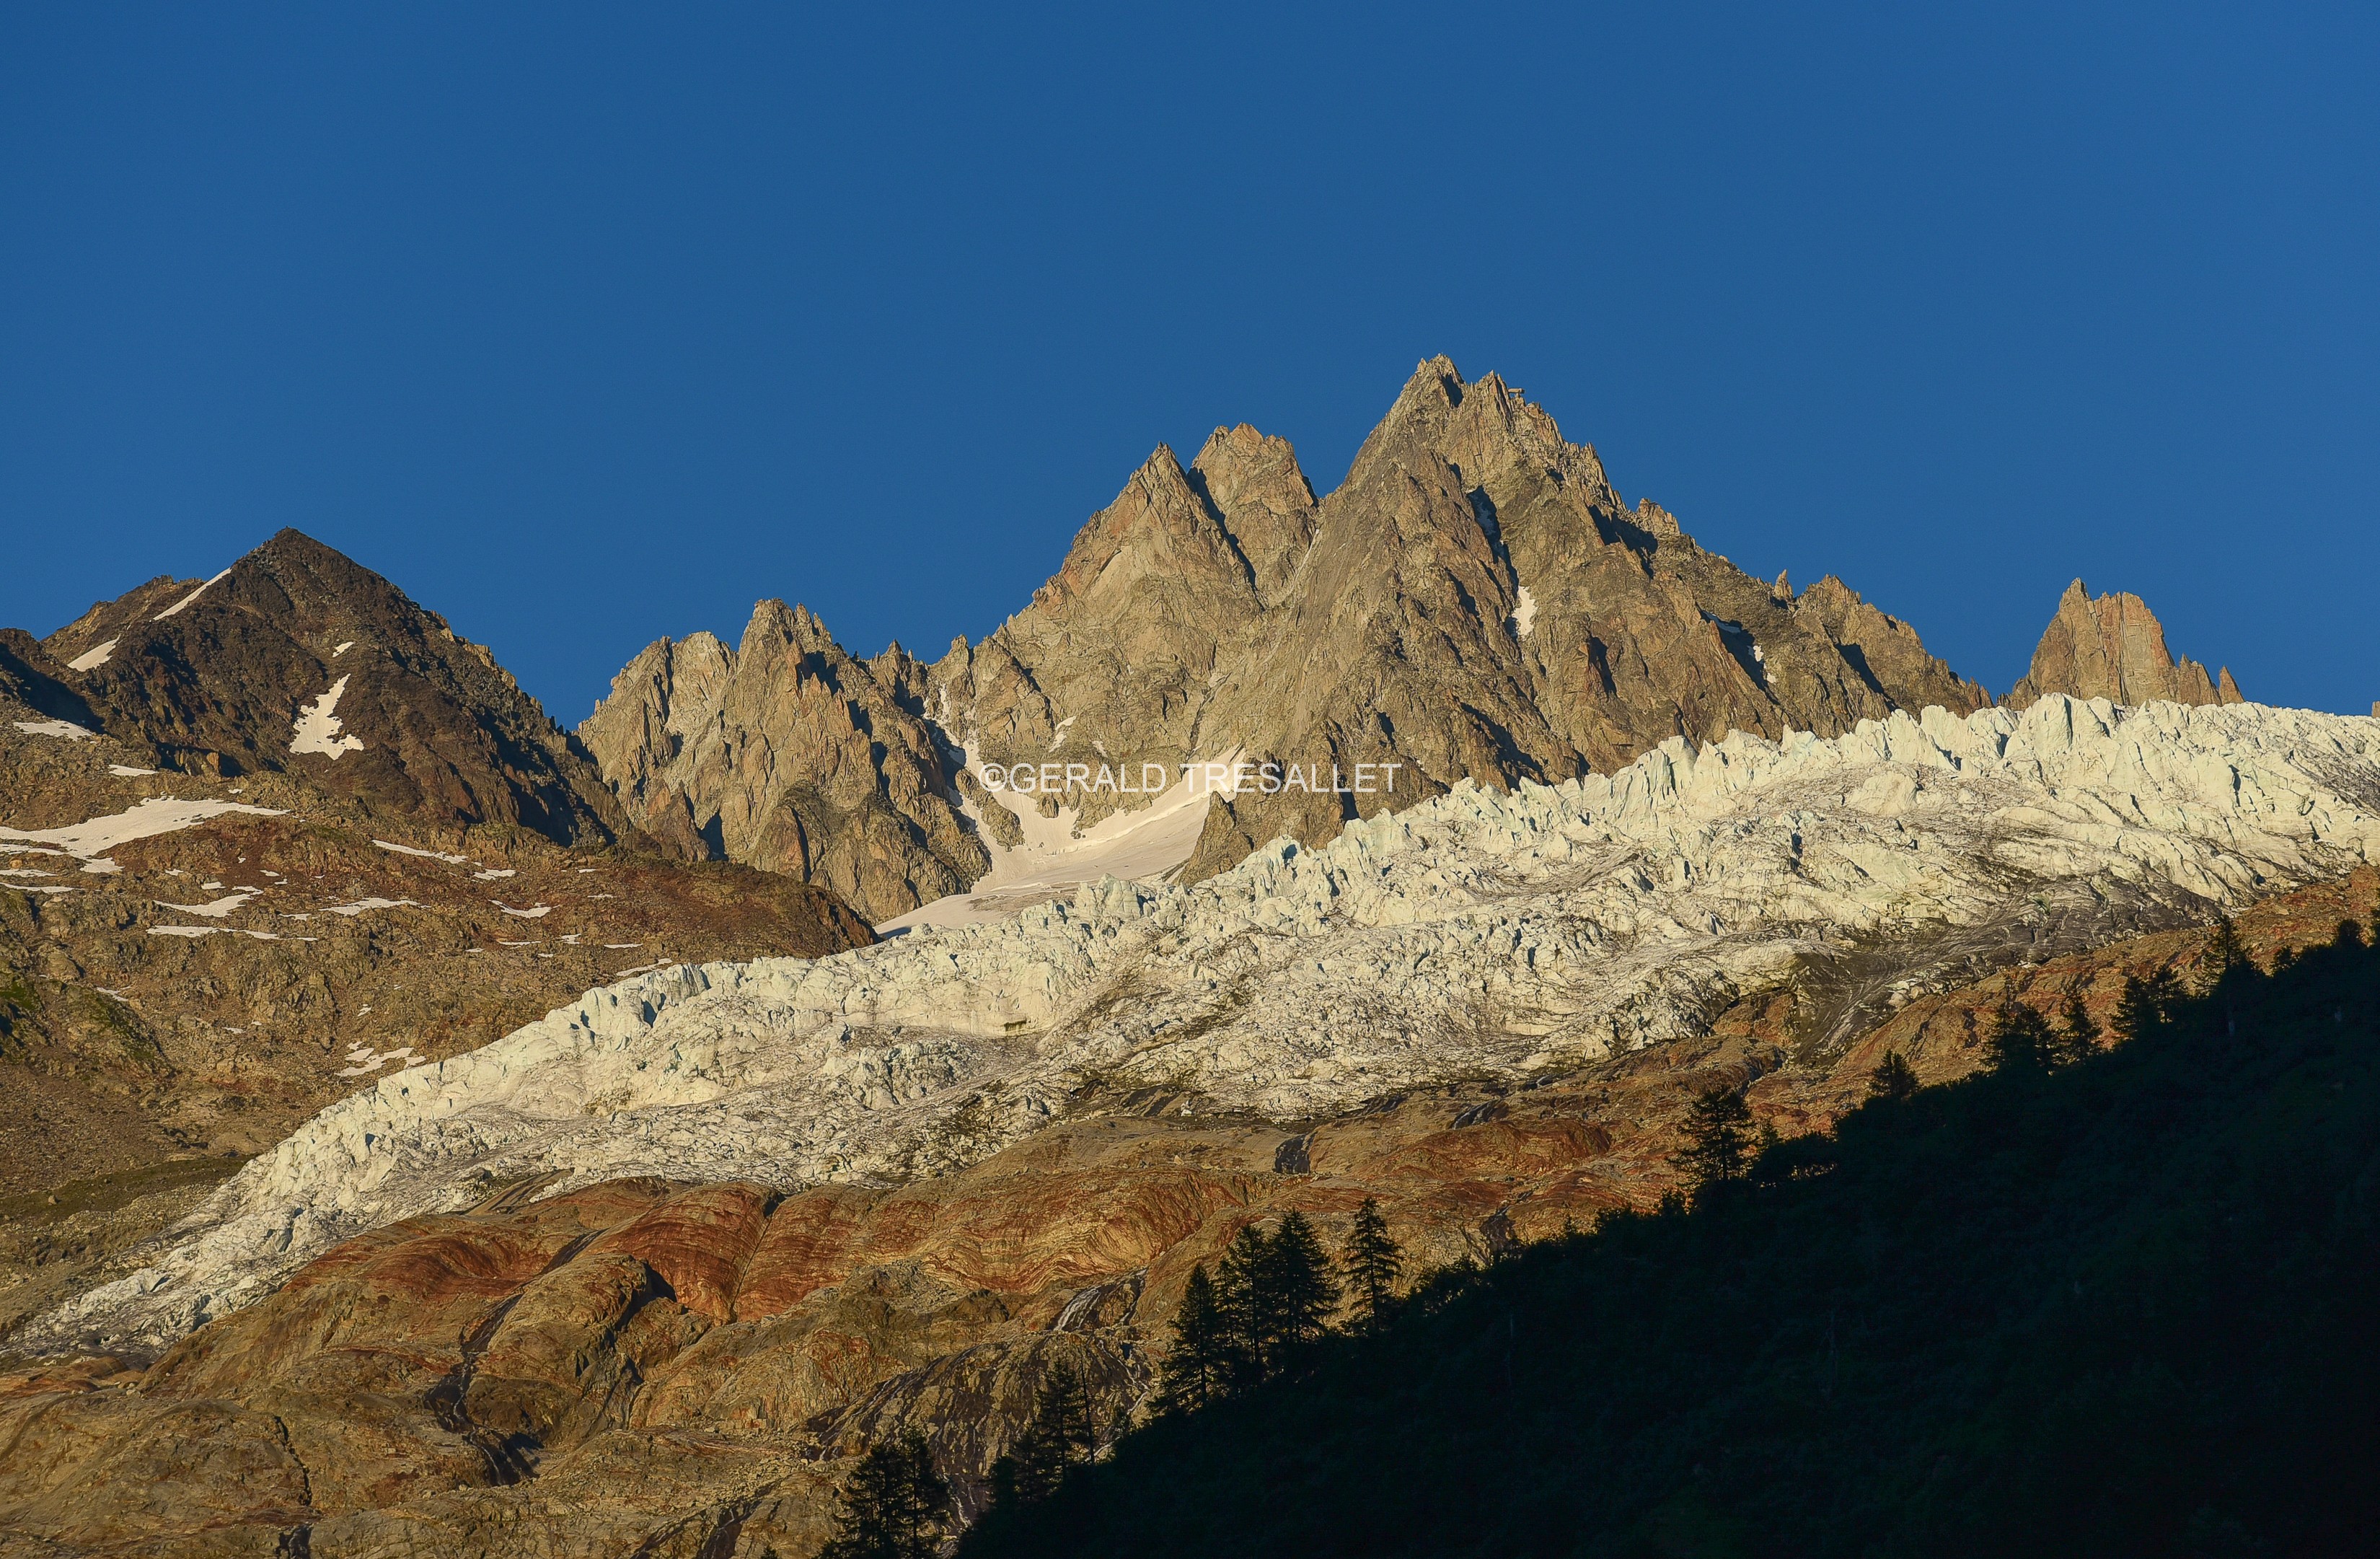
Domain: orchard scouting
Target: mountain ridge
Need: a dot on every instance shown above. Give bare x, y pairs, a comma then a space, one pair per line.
1474, 600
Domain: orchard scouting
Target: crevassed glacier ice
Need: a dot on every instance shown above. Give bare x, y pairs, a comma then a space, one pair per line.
1476, 932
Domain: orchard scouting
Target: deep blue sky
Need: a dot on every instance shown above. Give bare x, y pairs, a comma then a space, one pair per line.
588, 324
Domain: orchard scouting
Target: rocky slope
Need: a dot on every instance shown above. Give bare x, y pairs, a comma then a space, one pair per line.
1473, 602
206, 936
191, 965
2113, 647
1487, 935
630, 1364
297, 660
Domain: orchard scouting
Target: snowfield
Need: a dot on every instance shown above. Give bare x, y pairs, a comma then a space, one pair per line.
1480, 932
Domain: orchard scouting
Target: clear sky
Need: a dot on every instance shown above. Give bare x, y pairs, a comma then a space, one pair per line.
588, 324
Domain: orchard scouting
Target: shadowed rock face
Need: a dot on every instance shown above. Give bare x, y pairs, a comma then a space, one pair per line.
297, 659
2113, 648
1473, 602
651, 1366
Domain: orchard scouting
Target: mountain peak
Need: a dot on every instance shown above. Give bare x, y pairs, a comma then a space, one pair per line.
2113, 647
299, 658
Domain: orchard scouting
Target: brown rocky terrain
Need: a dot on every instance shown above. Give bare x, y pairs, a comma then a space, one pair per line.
2113, 647
206, 937
653, 1368
185, 999
297, 659
1475, 601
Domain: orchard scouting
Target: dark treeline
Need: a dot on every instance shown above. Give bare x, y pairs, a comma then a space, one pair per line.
2109, 1301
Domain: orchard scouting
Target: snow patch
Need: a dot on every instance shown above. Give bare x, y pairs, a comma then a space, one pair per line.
94, 657
524, 914
125, 771
363, 1060
159, 814
317, 729
215, 910
1051, 860
343, 649
426, 855
202, 590
65, 728
491, 874
210, 930
1524, 615
359, 906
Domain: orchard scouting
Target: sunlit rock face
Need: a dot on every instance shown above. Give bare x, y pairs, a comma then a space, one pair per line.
2113, 647
1488, 935
1475, 602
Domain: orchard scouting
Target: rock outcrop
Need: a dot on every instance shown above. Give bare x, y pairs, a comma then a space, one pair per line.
2113, 647
265, 839
1473, 602
1504, 935
653, 1367
297, 659
788, 754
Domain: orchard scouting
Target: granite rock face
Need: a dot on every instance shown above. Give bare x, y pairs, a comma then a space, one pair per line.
788, 754
1475, 602
560, 1358
297, 659
2113, 647
1498, 935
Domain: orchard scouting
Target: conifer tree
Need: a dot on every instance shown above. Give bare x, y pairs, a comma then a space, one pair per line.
2148, 1004
1240, 1299
1296, 1288
2225, 952
1373, 1263
1893, 1078
895, 1506
1719, 1138
1058, 1439
2078, 1037
2019, 1041
1200, 1368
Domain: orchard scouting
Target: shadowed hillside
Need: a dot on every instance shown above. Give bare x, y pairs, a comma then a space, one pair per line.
2124, 1306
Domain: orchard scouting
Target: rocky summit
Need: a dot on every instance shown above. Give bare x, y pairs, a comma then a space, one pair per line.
2113, 648
297, 660
427, 1130
1475, 602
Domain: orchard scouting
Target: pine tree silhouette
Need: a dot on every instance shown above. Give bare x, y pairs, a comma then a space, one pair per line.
1058, 1439
1240, 1299
1719, 1138
1893, 1078
1202, 1364
1297, 1288
2148, 1004
895, 1506
1373, 1263
2019, 1041
2078, 1037
2225, 952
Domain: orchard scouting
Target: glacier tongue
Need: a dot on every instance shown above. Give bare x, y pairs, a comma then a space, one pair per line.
1480, 932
